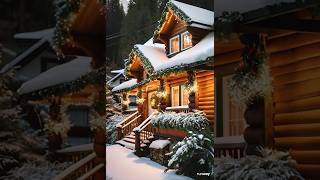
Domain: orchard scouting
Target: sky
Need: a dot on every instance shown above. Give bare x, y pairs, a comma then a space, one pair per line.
125, 4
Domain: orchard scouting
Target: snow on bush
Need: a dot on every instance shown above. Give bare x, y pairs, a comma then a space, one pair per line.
273, 165
111, 127
192, 121
193, 154
40, 171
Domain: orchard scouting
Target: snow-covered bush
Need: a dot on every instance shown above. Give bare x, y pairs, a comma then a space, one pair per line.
192, 121
273, 165
59, 125
40, 171
194, 154
111, 128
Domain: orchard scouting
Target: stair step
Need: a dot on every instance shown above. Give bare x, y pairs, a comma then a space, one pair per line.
131, 136
125, 144
129, 140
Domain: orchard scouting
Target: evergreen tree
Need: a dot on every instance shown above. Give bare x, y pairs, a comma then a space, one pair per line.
115, 14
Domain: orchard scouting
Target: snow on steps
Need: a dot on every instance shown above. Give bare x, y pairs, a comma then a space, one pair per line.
129, 141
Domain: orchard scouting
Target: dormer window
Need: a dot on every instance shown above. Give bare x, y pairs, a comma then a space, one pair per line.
186, 40
175, 44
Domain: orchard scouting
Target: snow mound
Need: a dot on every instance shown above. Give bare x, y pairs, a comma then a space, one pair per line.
122, 163
159, 144
59, 74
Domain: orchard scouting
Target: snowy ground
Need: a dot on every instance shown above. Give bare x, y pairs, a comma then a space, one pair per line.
123, 164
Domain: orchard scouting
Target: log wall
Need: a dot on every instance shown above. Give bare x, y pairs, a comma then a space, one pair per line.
205, 95
296, 102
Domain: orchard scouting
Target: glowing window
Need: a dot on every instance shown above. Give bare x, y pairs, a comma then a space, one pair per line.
179, 97
175, 44
186, 40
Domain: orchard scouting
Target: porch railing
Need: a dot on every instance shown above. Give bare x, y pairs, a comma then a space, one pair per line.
83, 169
75, 153
143, 132
233, 146
178, 109
126, 126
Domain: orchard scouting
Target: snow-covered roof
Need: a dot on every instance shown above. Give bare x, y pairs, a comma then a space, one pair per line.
35, 34
115, 77
66, 72
159, 60
125, 85
117, 71
196, 14
151, 43
24, 54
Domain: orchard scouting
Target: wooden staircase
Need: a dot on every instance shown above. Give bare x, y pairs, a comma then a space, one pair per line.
135, 136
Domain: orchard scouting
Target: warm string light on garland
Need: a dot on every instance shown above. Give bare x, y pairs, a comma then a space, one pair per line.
94, 77
140, 100
65, 15
180, 14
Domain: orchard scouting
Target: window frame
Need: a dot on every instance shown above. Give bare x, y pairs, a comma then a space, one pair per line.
181, 97
179, 44
79, 108
182, 40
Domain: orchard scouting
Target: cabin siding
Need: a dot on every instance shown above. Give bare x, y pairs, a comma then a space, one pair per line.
296, 105
205, 94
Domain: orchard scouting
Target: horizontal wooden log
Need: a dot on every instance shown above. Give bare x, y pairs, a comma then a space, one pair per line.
298, 105
293, 41
205, 80
206, 107
294, 55
295, 91
297, 130
296, 77
210, 117
205, 103
209, 94
297, 142
301, 65
303, 117
311, 171
202, 87
306, 156
204, 74
208, 112
206, 99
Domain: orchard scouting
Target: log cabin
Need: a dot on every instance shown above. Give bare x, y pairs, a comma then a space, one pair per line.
288, 115
176, 64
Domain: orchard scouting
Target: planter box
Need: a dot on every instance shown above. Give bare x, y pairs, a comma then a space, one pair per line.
171, 132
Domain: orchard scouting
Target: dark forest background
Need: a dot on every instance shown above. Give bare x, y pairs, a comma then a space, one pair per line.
23, 16
136, 26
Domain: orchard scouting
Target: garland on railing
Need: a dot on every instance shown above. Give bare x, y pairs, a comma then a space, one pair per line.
252, 79
94, 77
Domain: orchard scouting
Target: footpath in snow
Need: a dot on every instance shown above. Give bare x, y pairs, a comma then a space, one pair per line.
123, 164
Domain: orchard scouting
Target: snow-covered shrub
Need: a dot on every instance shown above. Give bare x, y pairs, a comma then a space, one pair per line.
111, 128
60, 125
194, 154
273, 165
192, 121
37, 170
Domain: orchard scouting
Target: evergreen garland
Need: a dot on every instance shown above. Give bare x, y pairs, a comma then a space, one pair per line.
93, 77
66, 12
165, 72
180, 14
145, 61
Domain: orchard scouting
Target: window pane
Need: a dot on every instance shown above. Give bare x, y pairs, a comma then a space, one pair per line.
184, 96
132, 101
174, 44
233, 113
175, 96
187, 40
79, 116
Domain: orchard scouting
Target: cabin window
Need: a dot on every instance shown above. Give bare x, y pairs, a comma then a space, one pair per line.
132, 101
175, 44
233, 113
179, 97
79, 116
186, 40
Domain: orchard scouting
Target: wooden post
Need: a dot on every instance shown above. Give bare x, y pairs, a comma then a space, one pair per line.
162, 100
192, 94
137, 143
119, 133
124, 99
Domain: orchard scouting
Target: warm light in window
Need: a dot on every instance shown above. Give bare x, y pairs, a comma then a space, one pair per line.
174, 45
187, 40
